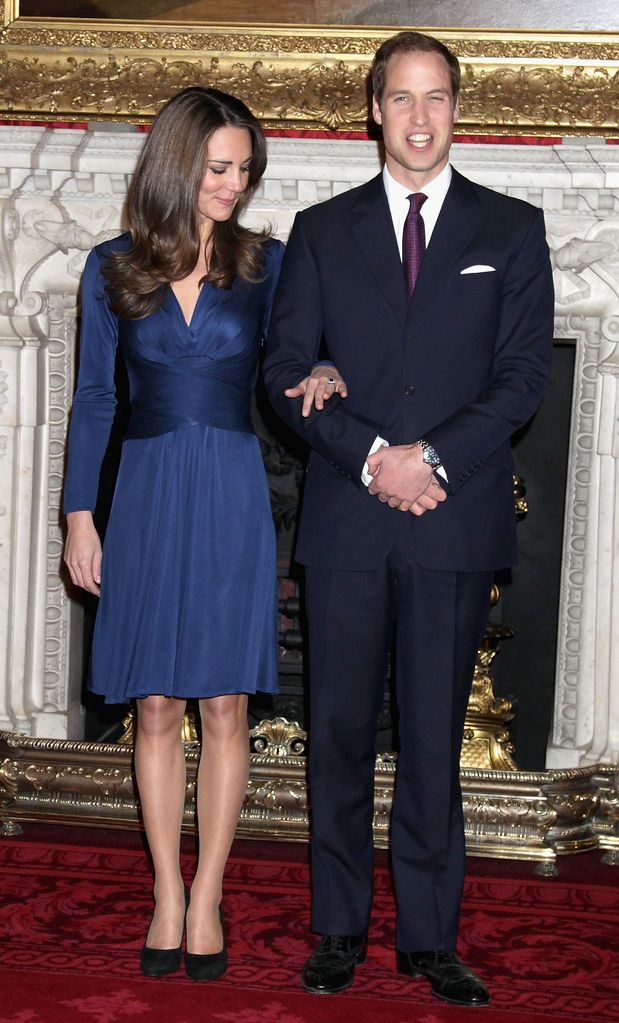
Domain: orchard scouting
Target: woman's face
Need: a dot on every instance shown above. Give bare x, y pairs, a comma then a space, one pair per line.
228, 157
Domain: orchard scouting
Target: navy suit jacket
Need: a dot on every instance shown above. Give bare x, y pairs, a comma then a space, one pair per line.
463, 364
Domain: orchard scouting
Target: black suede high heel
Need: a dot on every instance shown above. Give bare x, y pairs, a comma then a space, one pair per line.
159, 962
208, 967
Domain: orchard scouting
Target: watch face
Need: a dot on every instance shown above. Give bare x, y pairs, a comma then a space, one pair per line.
430, 456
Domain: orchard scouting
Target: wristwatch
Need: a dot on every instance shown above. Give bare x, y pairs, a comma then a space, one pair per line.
429, 455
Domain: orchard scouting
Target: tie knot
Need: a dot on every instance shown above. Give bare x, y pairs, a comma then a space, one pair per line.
416, 200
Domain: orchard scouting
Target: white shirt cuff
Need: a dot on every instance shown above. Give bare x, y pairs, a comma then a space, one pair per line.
366, 476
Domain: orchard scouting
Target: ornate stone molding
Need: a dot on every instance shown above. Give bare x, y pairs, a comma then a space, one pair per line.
586, 718
50, 215
514, 82
62, 191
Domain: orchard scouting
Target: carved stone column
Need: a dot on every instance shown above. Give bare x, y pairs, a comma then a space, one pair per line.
23, 525
586, 719
48, 220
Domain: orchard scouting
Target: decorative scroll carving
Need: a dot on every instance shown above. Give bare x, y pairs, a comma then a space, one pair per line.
514, 83
278, 738
515, 814
607, 817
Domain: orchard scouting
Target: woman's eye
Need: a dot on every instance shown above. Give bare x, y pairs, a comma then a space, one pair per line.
217, 170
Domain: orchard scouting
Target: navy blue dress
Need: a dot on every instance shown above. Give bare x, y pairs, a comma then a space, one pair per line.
188, 602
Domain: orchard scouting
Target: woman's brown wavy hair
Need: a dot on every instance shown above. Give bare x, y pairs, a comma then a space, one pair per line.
162, 205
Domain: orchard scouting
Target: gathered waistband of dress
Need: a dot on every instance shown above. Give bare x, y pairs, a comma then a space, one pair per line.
142, 426
165, 402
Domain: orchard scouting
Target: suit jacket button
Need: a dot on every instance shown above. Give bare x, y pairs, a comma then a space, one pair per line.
409, 390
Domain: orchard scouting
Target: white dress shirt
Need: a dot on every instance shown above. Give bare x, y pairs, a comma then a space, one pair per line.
397, 197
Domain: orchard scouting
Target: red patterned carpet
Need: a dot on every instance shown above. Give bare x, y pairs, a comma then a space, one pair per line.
75, 906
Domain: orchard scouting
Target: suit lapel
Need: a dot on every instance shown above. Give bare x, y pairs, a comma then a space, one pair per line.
454, 229
372, 229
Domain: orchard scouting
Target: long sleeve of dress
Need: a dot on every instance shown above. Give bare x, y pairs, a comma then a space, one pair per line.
94, 403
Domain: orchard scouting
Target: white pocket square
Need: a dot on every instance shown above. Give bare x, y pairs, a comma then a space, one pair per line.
479, 268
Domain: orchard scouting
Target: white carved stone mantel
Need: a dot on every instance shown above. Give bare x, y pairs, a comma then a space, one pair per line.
62, 191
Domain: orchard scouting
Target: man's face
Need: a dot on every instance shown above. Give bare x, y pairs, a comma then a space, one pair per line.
417, 114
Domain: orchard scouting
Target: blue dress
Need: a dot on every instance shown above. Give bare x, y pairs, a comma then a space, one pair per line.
188, 603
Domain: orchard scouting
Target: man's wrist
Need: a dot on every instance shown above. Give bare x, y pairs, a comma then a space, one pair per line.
429, 454
366, 476
432, 458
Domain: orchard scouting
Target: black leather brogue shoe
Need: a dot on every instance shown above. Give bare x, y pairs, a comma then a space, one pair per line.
331, 966
449, 978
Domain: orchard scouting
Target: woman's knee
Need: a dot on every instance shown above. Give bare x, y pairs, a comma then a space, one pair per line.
224, 716
160, 716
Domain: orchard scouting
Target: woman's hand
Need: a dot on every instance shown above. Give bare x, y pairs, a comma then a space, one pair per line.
322, 383
82, 551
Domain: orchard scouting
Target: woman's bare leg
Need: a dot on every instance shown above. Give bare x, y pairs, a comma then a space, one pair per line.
222, 783
160, 775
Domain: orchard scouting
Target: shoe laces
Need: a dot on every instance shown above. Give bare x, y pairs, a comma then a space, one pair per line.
331, 943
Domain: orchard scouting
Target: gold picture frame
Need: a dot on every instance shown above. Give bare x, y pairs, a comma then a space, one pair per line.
514, 83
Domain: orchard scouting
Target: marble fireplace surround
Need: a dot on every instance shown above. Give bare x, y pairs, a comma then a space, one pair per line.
61, 191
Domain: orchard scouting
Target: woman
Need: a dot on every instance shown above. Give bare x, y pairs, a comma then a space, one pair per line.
187, 581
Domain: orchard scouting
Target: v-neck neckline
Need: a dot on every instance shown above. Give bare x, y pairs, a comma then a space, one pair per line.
189, 322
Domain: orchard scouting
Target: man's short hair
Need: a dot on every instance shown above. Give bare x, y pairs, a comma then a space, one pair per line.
412, 42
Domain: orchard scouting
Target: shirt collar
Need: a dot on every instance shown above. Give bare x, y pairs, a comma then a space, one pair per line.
436, 189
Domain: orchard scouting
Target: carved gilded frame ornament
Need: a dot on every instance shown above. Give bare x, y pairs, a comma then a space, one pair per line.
514, 83
519, 815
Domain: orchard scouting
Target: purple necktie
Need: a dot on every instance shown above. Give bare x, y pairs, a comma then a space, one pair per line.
413, 240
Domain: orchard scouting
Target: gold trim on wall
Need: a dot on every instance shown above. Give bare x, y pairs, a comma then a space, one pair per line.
523, 815
293, 77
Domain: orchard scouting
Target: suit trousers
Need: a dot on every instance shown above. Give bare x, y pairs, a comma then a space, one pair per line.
439, 619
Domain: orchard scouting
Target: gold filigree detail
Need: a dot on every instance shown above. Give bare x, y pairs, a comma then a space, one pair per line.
514, 82
8, 781
273, 795
514, 814
546, 97
575, 806
487, 742
483, 700
278, 738
509, 812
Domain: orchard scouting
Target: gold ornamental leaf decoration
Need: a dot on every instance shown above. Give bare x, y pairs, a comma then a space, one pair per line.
278, 737
333, 96
9, 773
324, 95
577, 46
543, 97
515, 83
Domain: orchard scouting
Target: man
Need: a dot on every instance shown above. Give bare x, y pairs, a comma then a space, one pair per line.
444, 358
